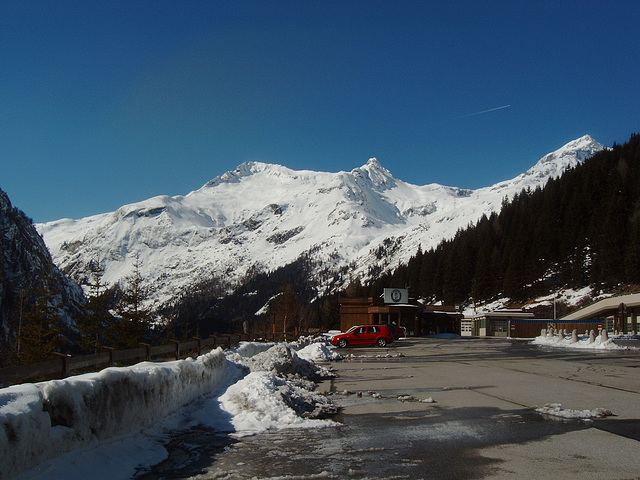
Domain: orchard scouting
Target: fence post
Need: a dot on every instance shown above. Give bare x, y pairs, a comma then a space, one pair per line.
147, 349
199, 340
177, 344
110, 350
65, 363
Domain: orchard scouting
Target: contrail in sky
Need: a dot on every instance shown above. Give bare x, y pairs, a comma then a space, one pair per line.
485, 111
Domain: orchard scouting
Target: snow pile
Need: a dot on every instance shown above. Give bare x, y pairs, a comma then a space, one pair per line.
249, 349
263, 401
46, 419
265, 389
556, 410
278, 393
411, 398
309, 349
560, 340
283, 361
379, 355
319, 352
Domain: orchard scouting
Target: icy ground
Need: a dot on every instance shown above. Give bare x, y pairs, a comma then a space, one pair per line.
590, 342
110, 424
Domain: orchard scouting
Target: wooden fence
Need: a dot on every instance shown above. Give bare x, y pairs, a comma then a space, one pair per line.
65, 365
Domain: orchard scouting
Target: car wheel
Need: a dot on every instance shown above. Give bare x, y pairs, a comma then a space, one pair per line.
342, 343
381, 342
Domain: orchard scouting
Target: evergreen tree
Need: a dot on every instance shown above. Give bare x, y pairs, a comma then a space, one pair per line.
580, 229
632, 255
330, 312
41, 332
96, 320
286, 310
427, 281
134, 324
354, 289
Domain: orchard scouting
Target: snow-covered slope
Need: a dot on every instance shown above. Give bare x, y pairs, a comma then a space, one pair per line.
265, 216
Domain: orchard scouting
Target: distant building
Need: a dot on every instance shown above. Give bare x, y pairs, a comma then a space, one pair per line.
618, 313
395, 307
614, 314
499, 323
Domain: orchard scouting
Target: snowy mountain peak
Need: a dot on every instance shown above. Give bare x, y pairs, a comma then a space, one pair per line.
556, 163
581, 148
374, 172
262, 216
373, 163
242, 170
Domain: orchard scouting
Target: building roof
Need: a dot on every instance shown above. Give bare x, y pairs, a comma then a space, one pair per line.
605, 307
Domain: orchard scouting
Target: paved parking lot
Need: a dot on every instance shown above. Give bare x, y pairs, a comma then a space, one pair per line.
453, 409
484, 393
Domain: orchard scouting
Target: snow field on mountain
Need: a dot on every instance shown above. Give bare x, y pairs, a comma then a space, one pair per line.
97, 414
266, 216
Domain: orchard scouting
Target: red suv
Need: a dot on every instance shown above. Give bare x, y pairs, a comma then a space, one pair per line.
378, 335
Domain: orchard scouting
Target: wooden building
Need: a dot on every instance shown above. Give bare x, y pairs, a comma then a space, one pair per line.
416, 319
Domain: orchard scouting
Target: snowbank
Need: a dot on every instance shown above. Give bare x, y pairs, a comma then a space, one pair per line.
267, 386
593, 342
46, 419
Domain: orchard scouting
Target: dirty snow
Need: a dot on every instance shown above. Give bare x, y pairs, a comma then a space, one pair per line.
556, 410
106, 425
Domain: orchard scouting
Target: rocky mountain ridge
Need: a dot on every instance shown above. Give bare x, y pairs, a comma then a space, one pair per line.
25, 262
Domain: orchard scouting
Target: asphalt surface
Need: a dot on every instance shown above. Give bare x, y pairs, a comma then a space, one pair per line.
445, 409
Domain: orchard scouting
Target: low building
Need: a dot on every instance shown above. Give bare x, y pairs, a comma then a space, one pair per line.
531, 328
499, 323
618, 313
521, 324
371, 310
440, 319
394, 307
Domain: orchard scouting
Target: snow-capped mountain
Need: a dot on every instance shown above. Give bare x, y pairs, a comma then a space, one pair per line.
263, 216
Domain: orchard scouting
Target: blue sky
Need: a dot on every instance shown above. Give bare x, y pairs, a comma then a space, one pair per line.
104, 103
